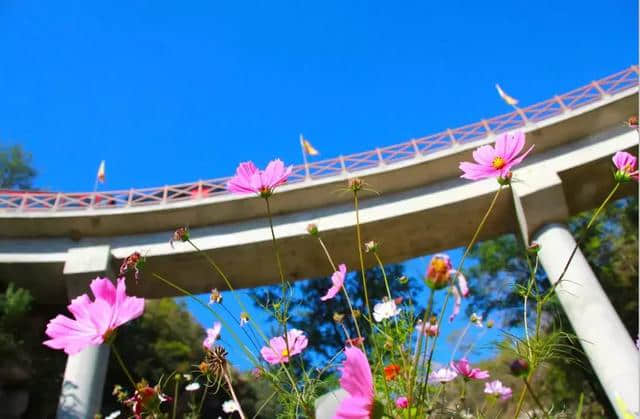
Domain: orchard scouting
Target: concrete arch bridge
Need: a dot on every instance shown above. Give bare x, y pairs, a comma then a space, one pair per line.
54, 243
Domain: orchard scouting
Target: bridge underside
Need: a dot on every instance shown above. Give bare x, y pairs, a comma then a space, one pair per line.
408, 223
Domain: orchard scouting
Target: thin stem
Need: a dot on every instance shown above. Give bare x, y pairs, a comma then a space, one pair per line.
416, 357
281, 271
215, 314
175, 395
122, 365
359, 245
233, 394
230, 287
266, 402
535, 398
584, 235
384, 274
204, 396
459, 341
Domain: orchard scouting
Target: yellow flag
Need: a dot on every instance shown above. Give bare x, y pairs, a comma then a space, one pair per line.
100, 174
510, 101
308, 148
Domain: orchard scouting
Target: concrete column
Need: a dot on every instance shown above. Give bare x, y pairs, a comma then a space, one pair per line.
85, 373
604, 338
542, 211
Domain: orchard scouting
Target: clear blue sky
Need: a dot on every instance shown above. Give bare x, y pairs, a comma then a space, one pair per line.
170, 92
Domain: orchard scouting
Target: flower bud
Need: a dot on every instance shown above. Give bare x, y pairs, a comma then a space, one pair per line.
371, 246
519, 367
355, 184
215, 297
490, 324
403, 280
338, 318
506, 179
312, 229
356, 313
533, 248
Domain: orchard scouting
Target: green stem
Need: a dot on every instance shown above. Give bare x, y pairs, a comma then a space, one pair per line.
384, 274
175, 395
416, 356
230, 287
122, 365
215, 314
535, 398
227, 378
584, 235
204, 396
359, 245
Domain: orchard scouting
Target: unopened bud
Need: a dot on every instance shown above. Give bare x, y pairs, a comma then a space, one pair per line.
371, 246
506, 179
490, 324
312, 229
356, 313
338, 318
533, 248
403, 279
355, 184
519, 367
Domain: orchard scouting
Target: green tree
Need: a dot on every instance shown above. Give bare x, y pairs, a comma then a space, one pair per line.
15, 168
611, 247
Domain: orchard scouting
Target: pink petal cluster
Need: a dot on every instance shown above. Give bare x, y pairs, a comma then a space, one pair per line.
402, 402
250, 179
277, 352
626, 165
463, 368
356, 380
94, 321
496, 388
338, 280
441, 376
496, 162
429, 329
212, 335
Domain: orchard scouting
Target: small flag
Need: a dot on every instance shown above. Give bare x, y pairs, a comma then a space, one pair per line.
100, 175
308, 148
510, 101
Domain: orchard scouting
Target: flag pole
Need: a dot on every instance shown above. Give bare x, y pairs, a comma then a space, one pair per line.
304, 158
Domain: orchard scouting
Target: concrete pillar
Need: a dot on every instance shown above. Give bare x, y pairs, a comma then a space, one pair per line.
85, 373
604, 338
542, 212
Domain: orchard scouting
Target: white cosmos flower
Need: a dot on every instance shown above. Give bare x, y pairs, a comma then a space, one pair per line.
113, 415
385, 310
229, 406
195, 386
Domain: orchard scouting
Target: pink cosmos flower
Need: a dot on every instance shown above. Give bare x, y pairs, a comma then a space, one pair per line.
496, 162
402, 402
250, 179
212, 335
441, 376
496, 388
626, 165
277, 353
357, 381
94, 321
337, 279
463, 368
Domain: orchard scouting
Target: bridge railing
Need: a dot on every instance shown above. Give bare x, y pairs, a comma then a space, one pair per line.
353, 163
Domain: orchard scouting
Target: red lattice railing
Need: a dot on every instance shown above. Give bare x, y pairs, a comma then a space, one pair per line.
593, 92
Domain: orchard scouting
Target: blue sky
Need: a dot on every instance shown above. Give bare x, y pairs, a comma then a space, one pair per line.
171, 92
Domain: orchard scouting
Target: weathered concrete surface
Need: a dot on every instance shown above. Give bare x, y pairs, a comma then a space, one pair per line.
413, 173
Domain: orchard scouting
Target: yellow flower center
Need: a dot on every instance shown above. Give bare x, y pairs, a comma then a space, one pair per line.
440, 266
627, 168
498, 163
285, 353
